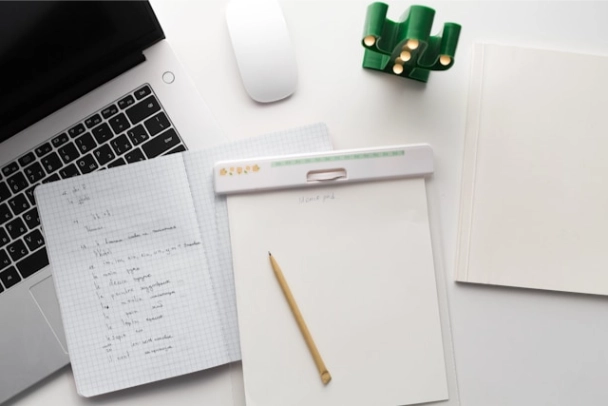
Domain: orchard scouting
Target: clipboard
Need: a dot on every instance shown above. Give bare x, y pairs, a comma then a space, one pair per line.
351, 231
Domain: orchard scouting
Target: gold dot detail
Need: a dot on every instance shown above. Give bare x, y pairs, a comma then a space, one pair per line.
405, 56
369, 40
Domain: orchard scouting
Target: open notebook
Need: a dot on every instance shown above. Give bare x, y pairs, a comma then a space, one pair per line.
144, 287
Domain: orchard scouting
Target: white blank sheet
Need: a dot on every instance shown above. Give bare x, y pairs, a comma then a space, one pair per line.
534, 193
358, 260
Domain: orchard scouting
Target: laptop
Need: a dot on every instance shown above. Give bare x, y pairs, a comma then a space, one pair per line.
84, 86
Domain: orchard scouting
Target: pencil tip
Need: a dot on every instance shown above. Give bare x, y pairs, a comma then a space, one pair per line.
269, 254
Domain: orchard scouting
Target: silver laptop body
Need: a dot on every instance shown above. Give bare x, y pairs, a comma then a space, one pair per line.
171, 115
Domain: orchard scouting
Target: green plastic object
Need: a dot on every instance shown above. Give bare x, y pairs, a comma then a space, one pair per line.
406, 48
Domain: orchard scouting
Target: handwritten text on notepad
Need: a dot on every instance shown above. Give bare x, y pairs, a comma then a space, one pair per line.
122, 259
316, 198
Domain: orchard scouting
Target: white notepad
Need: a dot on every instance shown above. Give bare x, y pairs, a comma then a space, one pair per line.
534, 191
137, 263
359, 262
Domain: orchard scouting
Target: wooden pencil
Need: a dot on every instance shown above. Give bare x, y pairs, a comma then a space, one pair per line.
325, 375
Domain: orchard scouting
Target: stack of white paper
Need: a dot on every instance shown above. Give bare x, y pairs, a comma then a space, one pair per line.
534, 199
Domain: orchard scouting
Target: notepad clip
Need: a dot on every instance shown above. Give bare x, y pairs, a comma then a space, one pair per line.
307, 170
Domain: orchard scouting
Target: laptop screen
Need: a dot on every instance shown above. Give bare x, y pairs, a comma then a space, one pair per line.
50, 52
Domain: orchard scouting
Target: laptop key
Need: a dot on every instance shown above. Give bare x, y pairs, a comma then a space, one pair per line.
102, 133
32, 218
87, 164
135, 156
69, 172
51, 162
16, 228
60, 140
104, 154
109, 111
19, 204
143, 110
138, 135
4, 259
158, 123
33, 263
17, 182
92, 121
17, 250
118, 162
53, 178
142, 92
85, 143
34, 172
4, 238
177, 149
10, 169
68, 153
121, 144
76, 130
5, 213
27, 159
34, 240
9, 277
29, 193
5, 192
43, 149
162, 143
119, 123
126, 102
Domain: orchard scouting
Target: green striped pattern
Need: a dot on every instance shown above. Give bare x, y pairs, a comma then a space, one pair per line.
338, 158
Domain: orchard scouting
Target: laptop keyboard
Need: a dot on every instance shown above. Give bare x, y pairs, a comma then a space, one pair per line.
133, 128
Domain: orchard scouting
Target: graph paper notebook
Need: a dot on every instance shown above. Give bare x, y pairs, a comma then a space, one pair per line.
143, 293
358, 259
534, 190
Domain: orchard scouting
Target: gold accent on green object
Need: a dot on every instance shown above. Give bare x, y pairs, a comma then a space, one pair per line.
384, 41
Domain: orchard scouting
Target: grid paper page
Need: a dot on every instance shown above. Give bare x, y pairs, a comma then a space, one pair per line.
212, 211
131, 274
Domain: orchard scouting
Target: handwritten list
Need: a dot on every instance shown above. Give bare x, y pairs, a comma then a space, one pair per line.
135, 292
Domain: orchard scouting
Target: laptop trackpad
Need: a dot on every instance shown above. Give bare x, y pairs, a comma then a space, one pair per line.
46, 298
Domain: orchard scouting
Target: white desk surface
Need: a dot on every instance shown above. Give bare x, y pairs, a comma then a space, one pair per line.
513, 347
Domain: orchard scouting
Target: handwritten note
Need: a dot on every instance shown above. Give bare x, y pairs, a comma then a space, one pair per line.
130, 269
316, 197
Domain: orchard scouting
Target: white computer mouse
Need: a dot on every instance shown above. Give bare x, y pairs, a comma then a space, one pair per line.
263, 49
